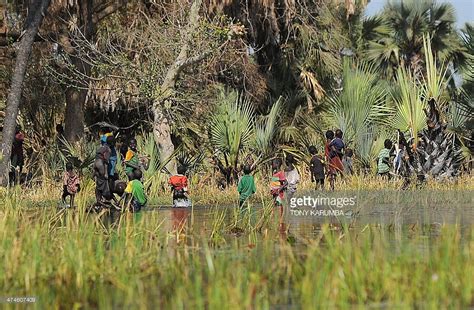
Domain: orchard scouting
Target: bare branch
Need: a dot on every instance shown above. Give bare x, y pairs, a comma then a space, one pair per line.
108, 10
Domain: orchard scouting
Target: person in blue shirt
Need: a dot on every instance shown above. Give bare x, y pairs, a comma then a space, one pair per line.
337, 144
113, 158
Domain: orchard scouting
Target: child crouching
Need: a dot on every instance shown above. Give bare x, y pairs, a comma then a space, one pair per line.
179, 187
136, 192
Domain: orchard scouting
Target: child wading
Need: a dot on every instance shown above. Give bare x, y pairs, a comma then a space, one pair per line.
136, 191
292, 176
179, 187
383, 163
71, 185
333, 152
316, 167
132, 162
278, 183
246, 187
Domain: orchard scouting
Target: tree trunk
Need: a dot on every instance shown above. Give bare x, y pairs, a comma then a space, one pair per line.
75, 99
74, 115
33, 21
162, 135
161, 125
438, 153
76, 96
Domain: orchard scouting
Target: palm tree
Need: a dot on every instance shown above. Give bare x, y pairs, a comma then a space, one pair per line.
235, 131
429, 115
395, 37
231, 130
468, 69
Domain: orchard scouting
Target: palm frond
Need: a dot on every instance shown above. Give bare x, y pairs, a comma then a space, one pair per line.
232, 127
266, 129
435, 80
361, 102
409, 104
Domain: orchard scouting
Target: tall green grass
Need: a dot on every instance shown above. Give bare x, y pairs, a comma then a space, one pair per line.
72, 259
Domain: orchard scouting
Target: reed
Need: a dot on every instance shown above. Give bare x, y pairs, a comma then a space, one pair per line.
72, 259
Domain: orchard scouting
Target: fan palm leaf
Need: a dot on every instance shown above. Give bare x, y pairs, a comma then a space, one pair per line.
232, 127
401, 40
361, 102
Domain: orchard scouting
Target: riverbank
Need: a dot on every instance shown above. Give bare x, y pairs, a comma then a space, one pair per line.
204, 191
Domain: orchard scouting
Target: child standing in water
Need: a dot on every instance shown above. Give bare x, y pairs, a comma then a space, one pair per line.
246, 187
292, 176
71, 185
278, 182
332, 148
136, 191
316, 167
179, 187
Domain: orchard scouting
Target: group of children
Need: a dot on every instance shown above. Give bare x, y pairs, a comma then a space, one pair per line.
282, 183
337, 159
107, 180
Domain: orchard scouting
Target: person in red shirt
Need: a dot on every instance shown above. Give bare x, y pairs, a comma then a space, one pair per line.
278, 182
334, 165
179, 187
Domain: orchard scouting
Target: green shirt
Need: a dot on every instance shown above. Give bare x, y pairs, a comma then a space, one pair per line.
135, 187
246, 186
383, 167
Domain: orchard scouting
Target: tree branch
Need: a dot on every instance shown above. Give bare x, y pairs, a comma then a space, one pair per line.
107, 10
192, 60
173, 72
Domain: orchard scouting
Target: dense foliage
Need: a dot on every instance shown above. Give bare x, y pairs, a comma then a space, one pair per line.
250, 81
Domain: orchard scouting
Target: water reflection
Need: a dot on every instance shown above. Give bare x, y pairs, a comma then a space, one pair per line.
420, 226
179, 218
